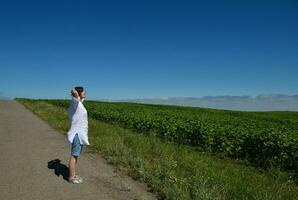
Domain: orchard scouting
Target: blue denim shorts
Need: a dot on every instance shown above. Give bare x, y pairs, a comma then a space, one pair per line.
76, 147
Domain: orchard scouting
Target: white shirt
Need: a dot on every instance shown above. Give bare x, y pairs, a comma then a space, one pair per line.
77, 115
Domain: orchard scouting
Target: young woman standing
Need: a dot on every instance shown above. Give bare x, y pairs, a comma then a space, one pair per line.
77, 135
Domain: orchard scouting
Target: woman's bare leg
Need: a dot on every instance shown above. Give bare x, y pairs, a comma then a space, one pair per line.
72, 166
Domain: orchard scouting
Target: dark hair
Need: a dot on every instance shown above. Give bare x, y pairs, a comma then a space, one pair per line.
79, 89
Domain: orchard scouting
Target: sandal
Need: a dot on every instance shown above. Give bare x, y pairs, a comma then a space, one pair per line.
75, 181
79, 178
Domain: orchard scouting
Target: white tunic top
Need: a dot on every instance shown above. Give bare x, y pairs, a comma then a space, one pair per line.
77, 115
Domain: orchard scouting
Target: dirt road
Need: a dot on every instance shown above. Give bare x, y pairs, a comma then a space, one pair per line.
34, 159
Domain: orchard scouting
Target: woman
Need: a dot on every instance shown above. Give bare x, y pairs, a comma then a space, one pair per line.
77, 135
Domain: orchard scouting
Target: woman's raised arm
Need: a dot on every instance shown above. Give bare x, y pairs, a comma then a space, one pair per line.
75, 95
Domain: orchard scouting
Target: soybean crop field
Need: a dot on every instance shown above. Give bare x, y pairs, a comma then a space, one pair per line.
265, 139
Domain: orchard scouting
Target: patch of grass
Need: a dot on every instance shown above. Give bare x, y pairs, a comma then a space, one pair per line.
174, 171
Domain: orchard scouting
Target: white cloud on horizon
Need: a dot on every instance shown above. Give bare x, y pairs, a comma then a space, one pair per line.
263, 102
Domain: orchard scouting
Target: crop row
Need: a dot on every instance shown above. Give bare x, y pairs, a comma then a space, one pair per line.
260, 138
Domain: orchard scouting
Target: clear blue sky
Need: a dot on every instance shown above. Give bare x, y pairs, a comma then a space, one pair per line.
141, 49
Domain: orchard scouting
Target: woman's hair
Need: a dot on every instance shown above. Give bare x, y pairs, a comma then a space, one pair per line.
79, 89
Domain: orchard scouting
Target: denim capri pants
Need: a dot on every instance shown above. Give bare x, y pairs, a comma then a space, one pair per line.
76, 147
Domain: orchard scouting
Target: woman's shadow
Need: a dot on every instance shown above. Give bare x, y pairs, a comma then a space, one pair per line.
59, 168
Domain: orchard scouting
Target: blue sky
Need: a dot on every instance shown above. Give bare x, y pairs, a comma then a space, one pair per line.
143, 49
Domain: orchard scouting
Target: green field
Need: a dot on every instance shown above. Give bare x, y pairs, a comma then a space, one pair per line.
264, 139
192, 153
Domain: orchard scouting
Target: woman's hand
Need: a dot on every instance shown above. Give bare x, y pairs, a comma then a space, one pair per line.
74, 93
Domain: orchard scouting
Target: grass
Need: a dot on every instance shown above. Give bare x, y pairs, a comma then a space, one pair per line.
172, 171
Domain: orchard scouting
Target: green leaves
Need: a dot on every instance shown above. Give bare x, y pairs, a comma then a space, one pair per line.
264, 139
